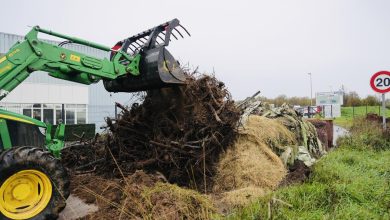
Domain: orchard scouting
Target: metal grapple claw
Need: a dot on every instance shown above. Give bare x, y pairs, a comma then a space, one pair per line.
158, 68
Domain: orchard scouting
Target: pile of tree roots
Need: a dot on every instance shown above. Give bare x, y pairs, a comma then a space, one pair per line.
178, 131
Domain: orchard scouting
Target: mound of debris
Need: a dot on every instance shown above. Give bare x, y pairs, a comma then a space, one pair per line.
308, 146
191, 137
178, 131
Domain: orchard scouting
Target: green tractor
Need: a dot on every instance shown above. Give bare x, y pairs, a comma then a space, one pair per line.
33, 182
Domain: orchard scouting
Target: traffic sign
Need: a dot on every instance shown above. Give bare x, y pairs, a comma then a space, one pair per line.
380, 82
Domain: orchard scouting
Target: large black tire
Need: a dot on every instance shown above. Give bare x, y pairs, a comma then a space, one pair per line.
34, 158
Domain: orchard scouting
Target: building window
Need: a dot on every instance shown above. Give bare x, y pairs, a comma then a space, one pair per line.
58, 116
27, 112
51, 113
70, 117
48, 116
37, 112
81, 116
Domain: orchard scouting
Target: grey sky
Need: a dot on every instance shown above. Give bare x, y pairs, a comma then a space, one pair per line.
251, 45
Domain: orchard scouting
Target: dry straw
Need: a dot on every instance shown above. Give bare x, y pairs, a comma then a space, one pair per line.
250, 162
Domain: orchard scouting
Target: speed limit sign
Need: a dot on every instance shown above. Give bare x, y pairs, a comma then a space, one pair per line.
380, 82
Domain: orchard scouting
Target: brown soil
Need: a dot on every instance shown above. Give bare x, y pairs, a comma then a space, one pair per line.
298, 173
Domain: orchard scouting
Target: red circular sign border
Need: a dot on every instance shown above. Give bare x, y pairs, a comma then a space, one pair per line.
373, 84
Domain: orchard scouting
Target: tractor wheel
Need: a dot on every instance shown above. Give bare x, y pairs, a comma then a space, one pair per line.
33, 184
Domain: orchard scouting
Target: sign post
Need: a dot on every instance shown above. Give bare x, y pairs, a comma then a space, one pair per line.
380, 82
384, 111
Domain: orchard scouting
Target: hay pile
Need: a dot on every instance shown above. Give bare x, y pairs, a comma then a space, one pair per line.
250, 162
271, 141
250, 169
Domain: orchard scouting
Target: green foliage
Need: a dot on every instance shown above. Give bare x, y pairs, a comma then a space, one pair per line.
366, 135
351, 182
352, 99
370, 100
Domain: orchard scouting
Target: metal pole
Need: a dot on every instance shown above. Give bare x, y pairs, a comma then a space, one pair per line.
311, 90
331, 111
63, 113
323, 109
384, 111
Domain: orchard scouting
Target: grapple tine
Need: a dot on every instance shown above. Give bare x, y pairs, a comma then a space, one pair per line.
178, 32
131, 49
185, 29
160, 37
138, 44
174, 36
142, 40
164, 35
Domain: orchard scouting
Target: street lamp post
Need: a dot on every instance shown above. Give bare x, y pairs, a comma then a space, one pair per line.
311, 90
311, 95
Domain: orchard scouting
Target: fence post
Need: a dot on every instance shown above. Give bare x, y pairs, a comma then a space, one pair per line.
366, 110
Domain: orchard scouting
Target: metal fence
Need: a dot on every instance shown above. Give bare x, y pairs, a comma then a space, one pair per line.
356, 111
359, 111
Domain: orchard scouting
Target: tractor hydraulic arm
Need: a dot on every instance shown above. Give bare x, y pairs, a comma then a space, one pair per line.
33, 55
145, 67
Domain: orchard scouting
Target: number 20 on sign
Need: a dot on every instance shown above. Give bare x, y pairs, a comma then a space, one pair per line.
380, 82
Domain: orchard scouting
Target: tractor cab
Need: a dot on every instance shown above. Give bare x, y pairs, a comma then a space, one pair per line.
20, 130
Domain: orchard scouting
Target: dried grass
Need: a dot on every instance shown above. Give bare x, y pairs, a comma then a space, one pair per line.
169, 201
241, 197
250, 162
270, 132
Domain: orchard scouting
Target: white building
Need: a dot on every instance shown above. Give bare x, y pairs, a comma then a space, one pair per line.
43, 97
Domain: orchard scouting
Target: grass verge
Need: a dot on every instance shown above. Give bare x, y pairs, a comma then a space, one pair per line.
351, 182
349, 114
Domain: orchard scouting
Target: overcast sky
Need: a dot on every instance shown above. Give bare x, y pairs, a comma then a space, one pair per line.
251, 45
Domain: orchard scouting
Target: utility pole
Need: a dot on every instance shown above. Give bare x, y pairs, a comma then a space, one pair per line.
311, 90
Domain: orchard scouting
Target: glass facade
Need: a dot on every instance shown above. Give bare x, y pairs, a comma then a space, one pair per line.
51, 113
